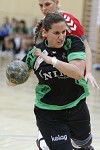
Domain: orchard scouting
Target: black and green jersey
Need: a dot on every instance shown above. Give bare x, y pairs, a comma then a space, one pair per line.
56, 91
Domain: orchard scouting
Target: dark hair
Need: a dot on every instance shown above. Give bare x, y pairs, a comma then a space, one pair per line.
52, 18
47, 23
38, 30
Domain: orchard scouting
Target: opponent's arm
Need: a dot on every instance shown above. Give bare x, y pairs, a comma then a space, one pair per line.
88, 57
77, 29
89, 76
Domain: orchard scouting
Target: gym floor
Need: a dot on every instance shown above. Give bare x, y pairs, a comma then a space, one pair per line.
18, 129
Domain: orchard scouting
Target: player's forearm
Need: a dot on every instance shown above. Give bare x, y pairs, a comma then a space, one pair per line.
88, 62
68, 69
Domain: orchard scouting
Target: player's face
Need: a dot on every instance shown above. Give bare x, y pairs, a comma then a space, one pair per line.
47, 6
56, 35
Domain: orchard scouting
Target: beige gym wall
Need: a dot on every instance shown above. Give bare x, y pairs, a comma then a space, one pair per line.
28, 9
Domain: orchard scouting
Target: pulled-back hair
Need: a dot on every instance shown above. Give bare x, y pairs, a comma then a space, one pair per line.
38, 30
47, 23
52, 18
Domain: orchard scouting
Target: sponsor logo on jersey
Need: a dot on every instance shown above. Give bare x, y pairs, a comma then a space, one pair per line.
52, 74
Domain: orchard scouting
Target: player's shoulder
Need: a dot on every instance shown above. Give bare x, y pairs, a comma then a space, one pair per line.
41, 45
74, 25
66, 15
74, 43
73, 38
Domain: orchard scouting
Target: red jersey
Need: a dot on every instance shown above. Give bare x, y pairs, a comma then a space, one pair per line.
73, 25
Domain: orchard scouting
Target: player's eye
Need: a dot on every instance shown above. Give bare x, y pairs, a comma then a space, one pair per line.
56, 33
41, 5
47, 4
64, 32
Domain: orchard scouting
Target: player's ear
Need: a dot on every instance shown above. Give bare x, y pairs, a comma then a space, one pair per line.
44, 33
57, 2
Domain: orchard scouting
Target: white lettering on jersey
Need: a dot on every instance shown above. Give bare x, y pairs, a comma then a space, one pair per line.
53, 74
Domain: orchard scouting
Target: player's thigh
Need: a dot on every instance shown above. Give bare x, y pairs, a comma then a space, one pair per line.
55, 133
79, 125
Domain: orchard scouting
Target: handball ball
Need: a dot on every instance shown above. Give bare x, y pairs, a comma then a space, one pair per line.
17, 72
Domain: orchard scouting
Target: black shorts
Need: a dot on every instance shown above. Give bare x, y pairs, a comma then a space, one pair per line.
59, 126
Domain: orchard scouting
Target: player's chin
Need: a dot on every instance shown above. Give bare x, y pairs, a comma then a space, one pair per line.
45, 14
59, 45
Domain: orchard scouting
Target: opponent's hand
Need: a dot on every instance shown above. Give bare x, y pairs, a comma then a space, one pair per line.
89, 77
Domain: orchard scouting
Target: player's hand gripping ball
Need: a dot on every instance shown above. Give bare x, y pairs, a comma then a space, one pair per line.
17, 72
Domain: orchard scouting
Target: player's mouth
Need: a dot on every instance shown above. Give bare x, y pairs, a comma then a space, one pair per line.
61, 42
45, 13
